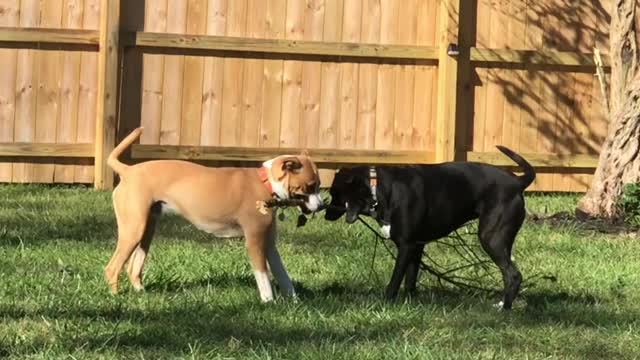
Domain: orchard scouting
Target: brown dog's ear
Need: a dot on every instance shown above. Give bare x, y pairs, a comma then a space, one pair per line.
291, 164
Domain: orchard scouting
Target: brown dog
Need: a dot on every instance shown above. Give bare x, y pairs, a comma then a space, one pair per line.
220, 201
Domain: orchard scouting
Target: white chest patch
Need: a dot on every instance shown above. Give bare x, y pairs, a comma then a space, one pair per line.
279, 189
386, 231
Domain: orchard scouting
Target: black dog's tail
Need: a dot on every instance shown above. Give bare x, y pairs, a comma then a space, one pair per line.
529, 172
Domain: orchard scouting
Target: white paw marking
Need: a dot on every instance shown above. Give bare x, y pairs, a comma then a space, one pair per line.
386, 231
264, 286
167, 208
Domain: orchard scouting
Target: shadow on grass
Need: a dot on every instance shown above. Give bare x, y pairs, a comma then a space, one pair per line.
245, 324
249, 324
36, 230
222, 280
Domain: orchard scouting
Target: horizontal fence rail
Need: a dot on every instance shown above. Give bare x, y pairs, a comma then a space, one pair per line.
276, 46
48, 36
332, 156
559, 58
46, 150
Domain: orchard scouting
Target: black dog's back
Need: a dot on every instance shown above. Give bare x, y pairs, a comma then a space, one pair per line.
442, 197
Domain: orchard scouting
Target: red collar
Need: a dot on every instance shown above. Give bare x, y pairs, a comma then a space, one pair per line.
263, 174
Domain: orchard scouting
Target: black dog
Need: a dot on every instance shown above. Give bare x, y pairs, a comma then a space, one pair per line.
421, 203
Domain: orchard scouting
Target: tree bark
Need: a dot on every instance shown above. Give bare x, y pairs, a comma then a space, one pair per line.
619, 162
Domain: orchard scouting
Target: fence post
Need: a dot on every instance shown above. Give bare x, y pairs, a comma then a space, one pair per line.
107, 111
447, 81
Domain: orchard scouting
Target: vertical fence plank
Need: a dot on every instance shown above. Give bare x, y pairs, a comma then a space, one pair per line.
8, 62
292, 78
582, 112
387, 74
423, 82
155, 20
330, 87
480, 108
26, 89
545, 123
349, 71
131, 78
213, 77
107, 110
567, 127
232, 121
272, 79
495, 95
193, 77
68, 125
405, 79
173, 77
253, 77
465, 93
433, 125
88, 93
447, 81
368, 78
48, 93
528, 132
510, 77
481, 74
311, 76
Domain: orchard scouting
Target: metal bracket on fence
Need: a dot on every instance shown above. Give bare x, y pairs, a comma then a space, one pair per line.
452, 50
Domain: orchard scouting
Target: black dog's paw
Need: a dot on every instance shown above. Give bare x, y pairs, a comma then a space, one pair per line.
391, 297
302, 292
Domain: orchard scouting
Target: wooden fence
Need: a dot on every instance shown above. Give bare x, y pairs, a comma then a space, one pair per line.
353, 81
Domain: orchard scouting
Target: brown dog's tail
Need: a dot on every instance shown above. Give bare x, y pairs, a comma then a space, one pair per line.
113, 161
529, 172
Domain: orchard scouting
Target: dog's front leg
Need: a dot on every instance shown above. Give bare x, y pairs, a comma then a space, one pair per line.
405, 252
257, 248
413, 268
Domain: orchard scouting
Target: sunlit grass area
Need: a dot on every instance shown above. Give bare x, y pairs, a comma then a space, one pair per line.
201, 300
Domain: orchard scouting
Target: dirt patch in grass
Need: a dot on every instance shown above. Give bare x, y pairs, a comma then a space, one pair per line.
583, 222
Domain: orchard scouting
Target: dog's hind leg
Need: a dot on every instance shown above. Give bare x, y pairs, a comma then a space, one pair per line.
132, 219
139, 255
497, 231
276, 266
257, 248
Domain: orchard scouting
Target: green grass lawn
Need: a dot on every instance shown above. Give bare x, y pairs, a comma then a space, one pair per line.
201, 300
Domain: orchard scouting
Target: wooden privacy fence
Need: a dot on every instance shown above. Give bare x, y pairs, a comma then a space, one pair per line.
353, 81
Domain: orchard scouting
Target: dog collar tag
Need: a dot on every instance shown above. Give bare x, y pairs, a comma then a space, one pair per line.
373, 182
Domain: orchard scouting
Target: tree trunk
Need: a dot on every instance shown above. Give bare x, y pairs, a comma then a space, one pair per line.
619, 162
